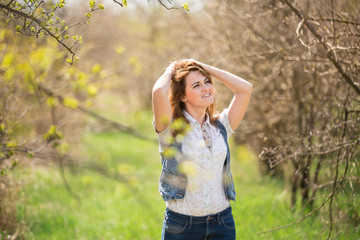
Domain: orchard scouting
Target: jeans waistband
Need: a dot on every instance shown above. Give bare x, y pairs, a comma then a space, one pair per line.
196, 219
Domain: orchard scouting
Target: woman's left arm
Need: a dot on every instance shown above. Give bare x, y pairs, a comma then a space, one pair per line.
241, 89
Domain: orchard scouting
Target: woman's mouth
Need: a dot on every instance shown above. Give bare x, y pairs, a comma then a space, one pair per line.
206, 95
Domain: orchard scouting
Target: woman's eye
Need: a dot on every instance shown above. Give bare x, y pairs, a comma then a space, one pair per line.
196, 85
207, 81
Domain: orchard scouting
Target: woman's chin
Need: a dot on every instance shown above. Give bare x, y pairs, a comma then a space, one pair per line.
210, 102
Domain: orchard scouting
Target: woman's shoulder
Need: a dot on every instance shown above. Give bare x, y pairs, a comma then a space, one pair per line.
223, 118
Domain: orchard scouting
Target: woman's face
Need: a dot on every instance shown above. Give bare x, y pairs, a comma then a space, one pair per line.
199, 92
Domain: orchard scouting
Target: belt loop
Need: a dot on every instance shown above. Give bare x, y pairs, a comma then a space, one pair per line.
166, 216
218, 219
190, 222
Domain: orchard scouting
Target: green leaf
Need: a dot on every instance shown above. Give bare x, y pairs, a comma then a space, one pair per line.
9, 74
11, 144
186, 6
96, 69
52, 101
8, 154
14, 163
137, 66
53, 134
7, 60
42, 58
120, 50
30, 155
71, 102
180, 125
3, 172
92, 4
91, 90
170, 152
63, 148
61, 4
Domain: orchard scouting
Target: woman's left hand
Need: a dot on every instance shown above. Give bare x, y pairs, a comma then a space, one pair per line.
200, 63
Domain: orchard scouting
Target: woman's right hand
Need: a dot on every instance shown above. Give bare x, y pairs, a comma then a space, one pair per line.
170, 68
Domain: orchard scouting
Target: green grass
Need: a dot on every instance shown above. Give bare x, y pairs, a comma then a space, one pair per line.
113, 209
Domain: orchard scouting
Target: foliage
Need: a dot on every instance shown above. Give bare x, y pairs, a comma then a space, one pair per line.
31, 120
39, 94
303, 120
40, 18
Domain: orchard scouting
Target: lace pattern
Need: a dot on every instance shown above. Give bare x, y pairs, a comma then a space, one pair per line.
205, 151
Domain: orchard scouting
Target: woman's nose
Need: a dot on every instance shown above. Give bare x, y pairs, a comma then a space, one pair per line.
205, 88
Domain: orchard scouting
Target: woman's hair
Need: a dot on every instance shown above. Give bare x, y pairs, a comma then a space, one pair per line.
182, 68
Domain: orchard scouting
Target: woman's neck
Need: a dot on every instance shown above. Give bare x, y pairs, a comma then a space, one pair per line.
197, 114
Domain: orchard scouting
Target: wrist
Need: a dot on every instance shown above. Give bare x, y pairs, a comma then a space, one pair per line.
170, 69
207, 67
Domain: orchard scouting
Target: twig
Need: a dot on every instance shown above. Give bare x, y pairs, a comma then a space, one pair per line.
333, 20
40, 23
329, 53
168, 8
116, 125
312, 151
337, 163
122, 5
313, 211
64, 179
298, 34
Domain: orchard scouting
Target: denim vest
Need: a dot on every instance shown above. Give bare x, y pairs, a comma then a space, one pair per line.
172, 184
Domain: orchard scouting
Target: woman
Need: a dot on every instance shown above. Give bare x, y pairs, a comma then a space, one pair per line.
197, 184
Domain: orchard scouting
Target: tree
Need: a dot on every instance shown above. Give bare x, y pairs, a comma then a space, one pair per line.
39, 92
303, 120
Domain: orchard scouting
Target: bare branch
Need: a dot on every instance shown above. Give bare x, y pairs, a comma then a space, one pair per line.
316, 209
329, 53
168, 8
40, 23
116, 125
298, 34
333, 20
122, 5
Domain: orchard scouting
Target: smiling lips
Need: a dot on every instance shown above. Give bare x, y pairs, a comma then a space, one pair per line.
206, 95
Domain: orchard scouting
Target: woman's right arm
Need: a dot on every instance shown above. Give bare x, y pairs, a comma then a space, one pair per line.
160, 100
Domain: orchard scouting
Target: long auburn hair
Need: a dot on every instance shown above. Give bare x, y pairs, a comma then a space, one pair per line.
182, 68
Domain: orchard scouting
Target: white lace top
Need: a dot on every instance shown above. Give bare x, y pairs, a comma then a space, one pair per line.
205, 151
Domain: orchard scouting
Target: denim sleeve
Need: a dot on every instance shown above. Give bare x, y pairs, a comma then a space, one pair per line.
224, 119
163, 137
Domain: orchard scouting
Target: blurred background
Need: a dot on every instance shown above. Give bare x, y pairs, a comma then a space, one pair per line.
79, 156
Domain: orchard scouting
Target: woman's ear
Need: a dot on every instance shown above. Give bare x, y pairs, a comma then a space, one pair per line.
183, 100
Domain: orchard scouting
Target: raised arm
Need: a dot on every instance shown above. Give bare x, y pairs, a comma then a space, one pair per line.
160, 100
241, 89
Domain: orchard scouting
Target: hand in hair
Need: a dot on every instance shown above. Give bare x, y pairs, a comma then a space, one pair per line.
170, 68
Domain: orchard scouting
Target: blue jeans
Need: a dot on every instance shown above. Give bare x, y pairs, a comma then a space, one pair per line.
219, 226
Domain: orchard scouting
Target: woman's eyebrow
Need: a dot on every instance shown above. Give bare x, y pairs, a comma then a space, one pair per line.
198, 81
194, 83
